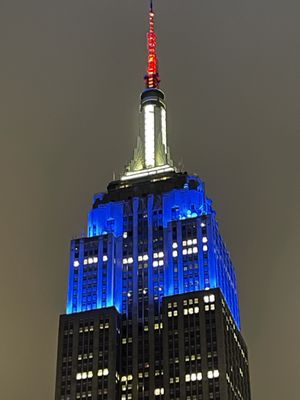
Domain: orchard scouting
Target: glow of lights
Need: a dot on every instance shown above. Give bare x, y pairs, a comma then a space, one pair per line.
164, 128
76, 263
147, 172
149, 135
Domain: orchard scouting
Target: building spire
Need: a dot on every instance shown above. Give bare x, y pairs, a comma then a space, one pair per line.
151, 155
152, 77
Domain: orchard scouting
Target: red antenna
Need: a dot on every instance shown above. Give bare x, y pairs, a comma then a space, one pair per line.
152, 77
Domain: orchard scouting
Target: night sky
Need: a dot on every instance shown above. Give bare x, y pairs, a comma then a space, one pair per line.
70, 76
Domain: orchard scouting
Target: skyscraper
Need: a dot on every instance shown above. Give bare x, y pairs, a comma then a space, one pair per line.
152, 309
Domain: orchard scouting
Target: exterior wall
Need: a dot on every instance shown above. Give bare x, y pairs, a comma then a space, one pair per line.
205, 356
88, 361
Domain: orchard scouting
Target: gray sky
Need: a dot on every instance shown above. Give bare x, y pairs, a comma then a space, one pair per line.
70, 77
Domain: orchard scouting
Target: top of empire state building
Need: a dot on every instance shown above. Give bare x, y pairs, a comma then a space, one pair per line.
151, 154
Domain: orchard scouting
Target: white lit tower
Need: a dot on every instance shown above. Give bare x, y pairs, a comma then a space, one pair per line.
151, 155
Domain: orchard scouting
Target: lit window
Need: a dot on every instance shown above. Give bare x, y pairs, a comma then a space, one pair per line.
159, 391
90, 260
195, 250
78, 376
205, 248
95, 260
184, 243
187, 377
125, 261
145, 257
155, 263
193, 377
213, 374
202, 224
155, 255
161, 254
125, 234
184, 252
212, 298
161, 263
84, 375
76, 263
105, 258
85, 261
210, 374
90, 374
140, 258
194, 241
130, 260
206, 299
204, 239
175, 245
175, 254
189, 242
199, 376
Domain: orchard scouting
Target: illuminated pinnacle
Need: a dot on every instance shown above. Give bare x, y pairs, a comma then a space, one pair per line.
152, 77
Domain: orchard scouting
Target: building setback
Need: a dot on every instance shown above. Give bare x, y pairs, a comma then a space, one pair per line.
152, 310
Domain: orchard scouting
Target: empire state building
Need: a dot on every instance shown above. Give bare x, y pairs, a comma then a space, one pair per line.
152, 305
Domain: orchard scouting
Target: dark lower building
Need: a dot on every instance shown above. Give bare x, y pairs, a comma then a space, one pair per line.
152, 310
204, 354
88, 360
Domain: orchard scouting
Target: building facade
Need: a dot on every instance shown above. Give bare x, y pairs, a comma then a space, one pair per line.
152, 309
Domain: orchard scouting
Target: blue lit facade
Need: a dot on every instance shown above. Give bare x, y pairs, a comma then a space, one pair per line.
151, 246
